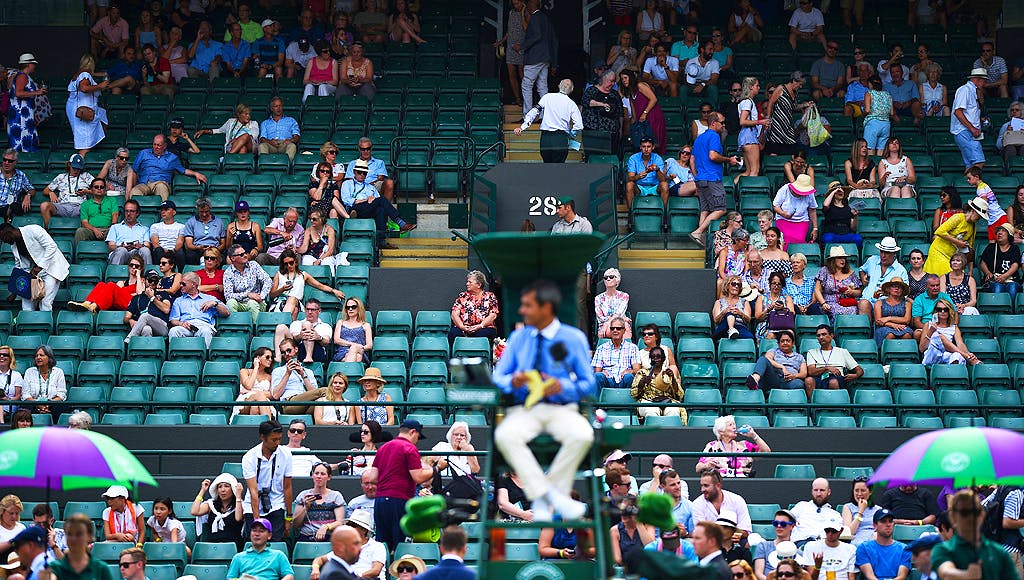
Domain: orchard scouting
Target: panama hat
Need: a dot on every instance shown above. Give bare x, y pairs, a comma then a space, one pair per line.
979, 205
372, 374
414, 561
895, 282
978, 73
837, 252
888, 244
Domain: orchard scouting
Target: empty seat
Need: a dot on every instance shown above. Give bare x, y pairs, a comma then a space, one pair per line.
796, 471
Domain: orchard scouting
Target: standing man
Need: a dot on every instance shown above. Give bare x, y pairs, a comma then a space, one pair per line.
279, 133
570, 222
708, 158
616, 361
707, 542
540, 53
878, 270
884, 558
714, 502
345, 548
965, 123
398, 470
968, 555
561, 354
560, 119
30, 544
129, 237
453, 554
831, 555
812, 515
266, 469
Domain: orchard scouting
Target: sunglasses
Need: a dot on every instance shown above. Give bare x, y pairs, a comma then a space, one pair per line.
296, 431
91, 187
739, 574
785, 575
686, 152
134, 267
609, 277
781, 524
351, 306
662, 466
401, 569
942, 310
331, 152
648, 333
122, 158
6, 160
366, 148
209, 257
288, 262
617, 328
164, 262
364, 432
237, 255
126, 564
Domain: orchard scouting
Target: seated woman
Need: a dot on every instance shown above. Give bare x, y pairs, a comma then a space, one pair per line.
1010, 138
651, 336
629, 536
475, 310
723, 237
325, 192
373, 384
115, 295
896, 171
223, 510
732, 259
457, 439
241, 133
918, 277
941, 341
801, 288
353, 336
780, 368
840, 223
658, 384
371, 436
319, 509
254, 385
513, 506
611, 303
725, 441
731, 313
774, 310
318, 243
290, 283
774, 258
837, 286
148, 312
45, 381
960, 286
893, 312
245, 232
338, 413
211, 277
1000, 263
950, 204
861, 172
796, 165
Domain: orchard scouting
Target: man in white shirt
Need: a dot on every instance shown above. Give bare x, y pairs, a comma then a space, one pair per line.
368, 481
67, 191
807, 25
829, 367
373, 554
302, 465
312, 334
831, 555
267, 469
812, 515
702, 74
297, 56
560, 119
895, 60
965, 122
713, 501
661, 71
165, 236
293, 382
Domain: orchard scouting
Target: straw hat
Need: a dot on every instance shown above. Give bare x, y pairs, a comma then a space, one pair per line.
896, 282
416, 562
837, 252
13, 561
888, 244
803, 185
372, 374
978, 73
1009, 228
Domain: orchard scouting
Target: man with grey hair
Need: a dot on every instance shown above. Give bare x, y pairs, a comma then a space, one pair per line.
560, 118
246, 284
194, 313
856, 90
279, 133
65, 194
80, 420
202, 232
154, 169
924, 305
15, 188
377, 175
281, 233
616, 361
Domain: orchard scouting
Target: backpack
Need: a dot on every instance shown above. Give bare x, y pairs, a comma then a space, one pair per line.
992, 527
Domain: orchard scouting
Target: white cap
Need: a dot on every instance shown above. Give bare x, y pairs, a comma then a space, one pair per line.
361, 518
268, 22
116, 491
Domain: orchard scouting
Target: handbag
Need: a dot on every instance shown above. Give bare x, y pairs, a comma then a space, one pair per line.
845, 300
86, 114
23, 283
781, 319
816, 131
1011, 137
463, 485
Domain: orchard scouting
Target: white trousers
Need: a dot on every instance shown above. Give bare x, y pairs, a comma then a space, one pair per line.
534, 75
318, 90
46, 303
565, 424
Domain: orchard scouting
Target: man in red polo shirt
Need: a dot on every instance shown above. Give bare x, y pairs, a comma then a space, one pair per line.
398, 470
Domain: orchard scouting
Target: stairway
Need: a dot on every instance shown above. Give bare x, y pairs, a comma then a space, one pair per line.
661, 259
525, 147
430, 245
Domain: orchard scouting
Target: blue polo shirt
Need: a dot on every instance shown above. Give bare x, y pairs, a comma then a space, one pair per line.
186, 308
205, 55
885, 561
122, 232
905, 92
285, 128
268, 49
377, 168
205, 234
636, 165
707, 170
268, 564
124, 69
353, 191
235, 56
151, 168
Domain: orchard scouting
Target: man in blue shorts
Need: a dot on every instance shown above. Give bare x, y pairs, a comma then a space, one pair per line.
965, 122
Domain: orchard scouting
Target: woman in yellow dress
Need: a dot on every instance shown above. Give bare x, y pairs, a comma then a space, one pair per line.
954, 235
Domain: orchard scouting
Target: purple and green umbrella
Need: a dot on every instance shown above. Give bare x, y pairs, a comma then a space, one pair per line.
66, 459
959, 458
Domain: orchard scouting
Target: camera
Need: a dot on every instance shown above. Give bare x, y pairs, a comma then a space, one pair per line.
264, 494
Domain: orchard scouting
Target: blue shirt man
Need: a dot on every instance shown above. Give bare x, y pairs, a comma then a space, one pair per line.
206, 51
883, 556
235, 56
205, 233
353, 191
151, 167
124, 68
188, 308
707, 170
637, 165
377, 169
284, 128
561, 354
268, 49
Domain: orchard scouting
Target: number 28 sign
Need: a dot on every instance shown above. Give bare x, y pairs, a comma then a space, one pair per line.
543, 205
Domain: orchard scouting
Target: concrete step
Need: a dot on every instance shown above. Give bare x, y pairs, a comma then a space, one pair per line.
661, 259
423, 263
534, 155
426, 249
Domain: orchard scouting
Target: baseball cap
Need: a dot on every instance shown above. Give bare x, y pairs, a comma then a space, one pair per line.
76, 161
414, 425
169, 205
242, 205
618, 455
116, 491
263, 522
152, 275
833, 523
927, 541
303, 44
268, 22
786, 513
881, 514
33, 534
177, 123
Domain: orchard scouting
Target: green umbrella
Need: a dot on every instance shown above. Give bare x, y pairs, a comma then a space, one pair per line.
56, 458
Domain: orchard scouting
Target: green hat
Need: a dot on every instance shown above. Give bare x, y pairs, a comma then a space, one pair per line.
422, 514
566, 200
656, 510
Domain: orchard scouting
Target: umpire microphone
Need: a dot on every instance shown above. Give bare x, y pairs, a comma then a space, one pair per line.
560, 353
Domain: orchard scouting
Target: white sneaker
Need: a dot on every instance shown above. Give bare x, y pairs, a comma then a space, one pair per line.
342, 259
565, 506
541, 509
733, 334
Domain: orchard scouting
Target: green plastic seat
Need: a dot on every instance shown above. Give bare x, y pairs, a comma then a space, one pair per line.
220, 374
394, 348
69, 348
393, 322
739, 350
228, 347
213, 553
913, 376
433, 322
208, 419
107, 551
429, 553
852, 472
306, 552
794, 471
430, 348
165, 553
696, 350
836, 422
139, 373
692, 324
763, 512
945, 376
471, 346
34, 322
151, 348
427, 373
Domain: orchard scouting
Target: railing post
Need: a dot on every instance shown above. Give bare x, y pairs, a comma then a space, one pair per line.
588, 23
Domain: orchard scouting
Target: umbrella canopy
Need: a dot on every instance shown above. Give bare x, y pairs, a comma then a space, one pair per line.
958, 457
66, 459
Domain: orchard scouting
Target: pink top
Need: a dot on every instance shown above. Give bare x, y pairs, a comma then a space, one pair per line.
320, 75
113, 32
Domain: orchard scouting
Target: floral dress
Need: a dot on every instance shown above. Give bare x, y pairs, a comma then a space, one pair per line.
739, 466
735, 263
606, 307
830, 288
22, 133
473, 311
